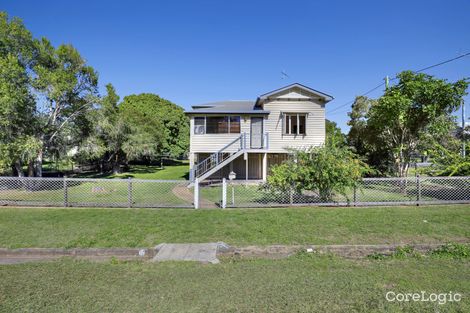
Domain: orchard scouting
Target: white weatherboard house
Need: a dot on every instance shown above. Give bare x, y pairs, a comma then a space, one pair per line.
248, 137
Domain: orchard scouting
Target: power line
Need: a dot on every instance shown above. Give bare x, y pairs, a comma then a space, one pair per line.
352, 101
394, 78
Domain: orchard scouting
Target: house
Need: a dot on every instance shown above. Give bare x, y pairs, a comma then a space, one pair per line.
248, 137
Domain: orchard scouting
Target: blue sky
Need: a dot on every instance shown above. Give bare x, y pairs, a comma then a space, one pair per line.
193, 52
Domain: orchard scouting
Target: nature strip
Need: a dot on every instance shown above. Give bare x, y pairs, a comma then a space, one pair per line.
270, 252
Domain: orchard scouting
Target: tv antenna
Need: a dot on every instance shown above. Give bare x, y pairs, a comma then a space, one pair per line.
284, 75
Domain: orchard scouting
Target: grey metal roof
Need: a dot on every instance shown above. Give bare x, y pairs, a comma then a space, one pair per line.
233, 106
250, 107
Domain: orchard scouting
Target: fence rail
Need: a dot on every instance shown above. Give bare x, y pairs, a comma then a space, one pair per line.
136, 193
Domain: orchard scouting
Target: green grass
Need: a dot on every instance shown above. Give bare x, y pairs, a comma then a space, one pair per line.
180, 171
304, 283
98, 193
37, 227
112, 191
381, 191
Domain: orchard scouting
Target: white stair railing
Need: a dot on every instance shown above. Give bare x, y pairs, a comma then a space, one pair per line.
220, 156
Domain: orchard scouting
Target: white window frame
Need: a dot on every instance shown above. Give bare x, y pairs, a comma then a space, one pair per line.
287, 119
194, 126
205, 124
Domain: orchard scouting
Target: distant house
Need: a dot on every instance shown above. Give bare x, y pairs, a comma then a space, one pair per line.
248, 137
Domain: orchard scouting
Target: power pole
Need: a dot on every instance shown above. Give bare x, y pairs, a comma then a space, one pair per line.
463, 128
386, 82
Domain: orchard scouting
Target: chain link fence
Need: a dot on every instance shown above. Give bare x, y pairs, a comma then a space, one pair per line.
83, 192
370, 191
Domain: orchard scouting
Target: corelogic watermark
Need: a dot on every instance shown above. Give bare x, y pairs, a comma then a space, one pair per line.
423, 296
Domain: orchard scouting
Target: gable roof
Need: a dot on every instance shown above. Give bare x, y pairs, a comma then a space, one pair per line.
253, 107
322, 95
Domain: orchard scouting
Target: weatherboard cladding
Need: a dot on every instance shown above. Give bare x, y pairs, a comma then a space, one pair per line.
295, 98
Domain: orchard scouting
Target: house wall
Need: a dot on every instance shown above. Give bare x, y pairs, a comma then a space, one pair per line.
215, 142
273, 125
315, 125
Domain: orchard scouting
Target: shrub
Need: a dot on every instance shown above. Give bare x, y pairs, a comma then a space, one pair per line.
326, 170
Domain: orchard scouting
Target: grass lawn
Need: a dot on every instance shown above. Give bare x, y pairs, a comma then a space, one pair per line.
179, 171
381, 191
106, 192
304, 283
37, 227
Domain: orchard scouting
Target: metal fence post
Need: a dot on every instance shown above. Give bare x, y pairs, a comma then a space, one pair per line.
129, 192
291, 195
66, 193
224, 193
418, 187
355, 195
196, 193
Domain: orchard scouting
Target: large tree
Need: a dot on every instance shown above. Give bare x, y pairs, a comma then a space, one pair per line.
68, 91
18, 146
409, 110
17, 123
118, 137
160, 119
110, 132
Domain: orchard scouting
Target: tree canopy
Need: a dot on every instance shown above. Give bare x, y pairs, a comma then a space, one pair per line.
50, 105
159, 118
394, 126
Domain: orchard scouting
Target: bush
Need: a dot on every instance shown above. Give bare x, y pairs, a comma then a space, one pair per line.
325, 170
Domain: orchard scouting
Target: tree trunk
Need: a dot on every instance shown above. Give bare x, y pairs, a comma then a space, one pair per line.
19, 168
116, 165
38, 164
30, 169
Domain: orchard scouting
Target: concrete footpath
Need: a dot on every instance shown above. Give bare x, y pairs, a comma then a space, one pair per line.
202, 252
199, 252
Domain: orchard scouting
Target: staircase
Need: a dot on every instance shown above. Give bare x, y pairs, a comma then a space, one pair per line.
219, 159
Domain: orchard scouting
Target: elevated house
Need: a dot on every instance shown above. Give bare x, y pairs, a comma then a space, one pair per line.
248, 137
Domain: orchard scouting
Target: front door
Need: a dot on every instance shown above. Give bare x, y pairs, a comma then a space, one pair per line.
256, 132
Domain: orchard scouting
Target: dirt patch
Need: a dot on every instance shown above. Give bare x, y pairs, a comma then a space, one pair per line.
14, 256
347, 251
185, 194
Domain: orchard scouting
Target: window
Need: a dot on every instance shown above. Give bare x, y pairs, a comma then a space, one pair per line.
295, 123
234, 124
199, 125
217, 125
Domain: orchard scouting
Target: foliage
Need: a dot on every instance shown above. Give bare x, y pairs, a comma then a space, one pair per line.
447, 162
117, 138
69, 89
334, 134
160, 119
398, 123
49, 107
327, 170
364, 143
17, 104
453, 250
